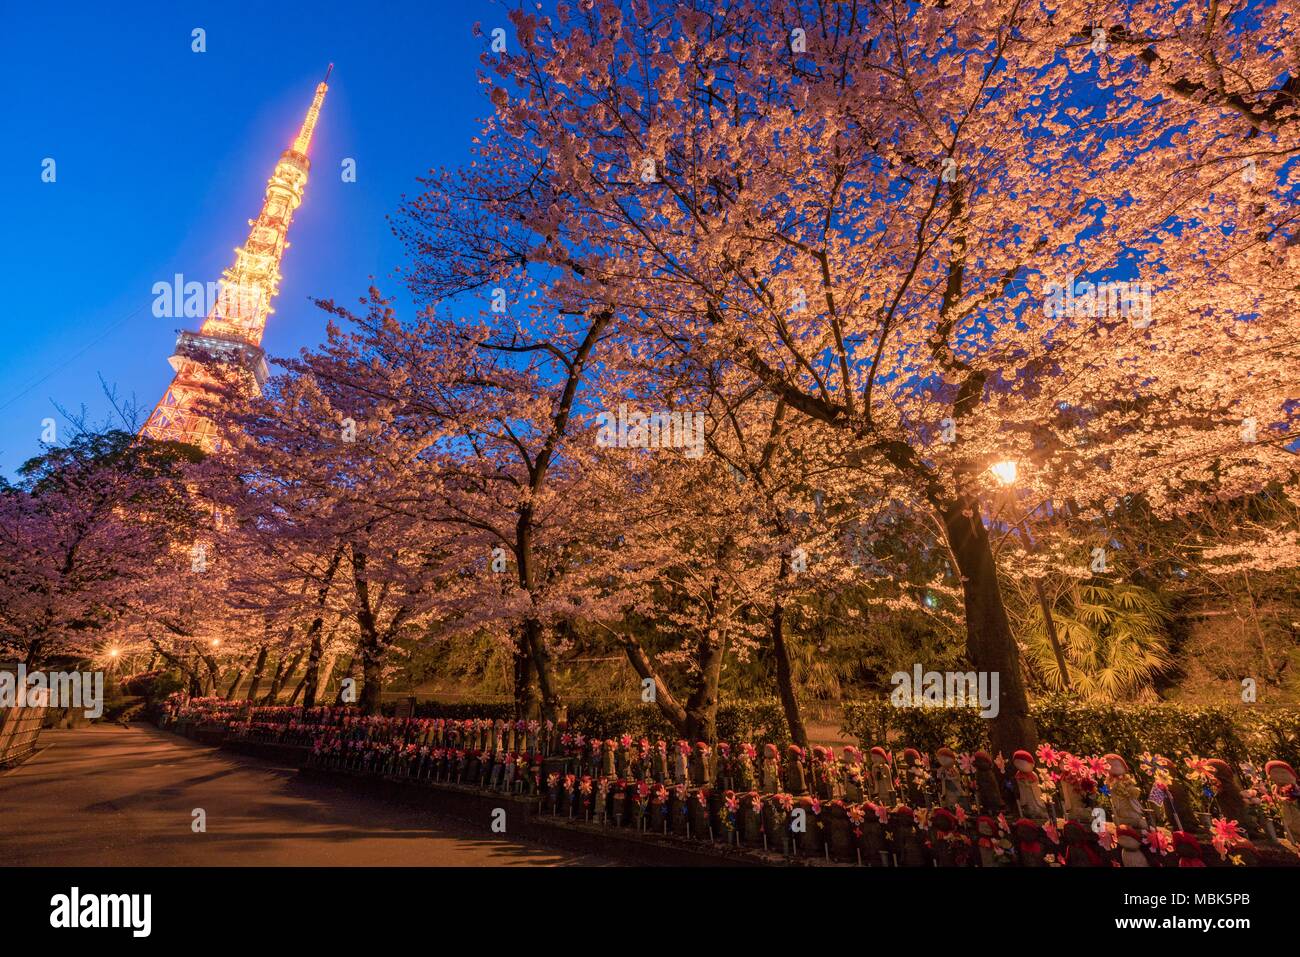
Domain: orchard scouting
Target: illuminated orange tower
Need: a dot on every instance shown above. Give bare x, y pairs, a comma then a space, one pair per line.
231, 335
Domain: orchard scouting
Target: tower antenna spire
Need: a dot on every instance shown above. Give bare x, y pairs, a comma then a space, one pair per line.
303, 139
231, 334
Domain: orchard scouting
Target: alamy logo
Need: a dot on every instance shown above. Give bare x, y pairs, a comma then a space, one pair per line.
73, 910
53, 689
196, 300
1086, 300
658, 430
946, 689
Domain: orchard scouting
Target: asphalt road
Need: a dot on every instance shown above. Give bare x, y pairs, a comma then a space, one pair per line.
125, 797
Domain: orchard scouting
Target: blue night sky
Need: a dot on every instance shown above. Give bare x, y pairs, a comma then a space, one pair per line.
162, 157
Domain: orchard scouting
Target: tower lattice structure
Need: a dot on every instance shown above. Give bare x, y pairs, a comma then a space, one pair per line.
227, 349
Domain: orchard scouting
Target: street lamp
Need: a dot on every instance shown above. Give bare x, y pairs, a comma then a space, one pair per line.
1006, 472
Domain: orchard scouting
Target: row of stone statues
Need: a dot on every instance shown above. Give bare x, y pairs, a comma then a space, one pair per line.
1054, 788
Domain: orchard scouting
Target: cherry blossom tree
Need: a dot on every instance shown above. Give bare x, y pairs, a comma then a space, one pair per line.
953, 234
85, 528
312, 477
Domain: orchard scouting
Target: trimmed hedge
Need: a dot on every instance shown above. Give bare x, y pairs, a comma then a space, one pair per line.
749, 721
459, 711
1235, 734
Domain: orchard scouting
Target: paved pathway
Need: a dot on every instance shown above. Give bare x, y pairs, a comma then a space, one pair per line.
113, 796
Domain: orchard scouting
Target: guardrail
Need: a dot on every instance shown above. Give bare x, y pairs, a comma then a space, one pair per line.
20, 729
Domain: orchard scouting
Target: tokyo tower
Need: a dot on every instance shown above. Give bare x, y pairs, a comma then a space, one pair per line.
230, 339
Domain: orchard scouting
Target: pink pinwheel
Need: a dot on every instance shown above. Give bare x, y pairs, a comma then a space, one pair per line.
1226, 835
1160, 840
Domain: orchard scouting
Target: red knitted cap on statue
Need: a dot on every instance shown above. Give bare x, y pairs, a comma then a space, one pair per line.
1127, 830
1023, 756
1280, 764
942, 815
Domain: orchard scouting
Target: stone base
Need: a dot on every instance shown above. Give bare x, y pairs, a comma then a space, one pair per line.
524, 822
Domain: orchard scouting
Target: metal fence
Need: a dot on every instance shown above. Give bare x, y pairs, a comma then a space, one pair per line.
20, 728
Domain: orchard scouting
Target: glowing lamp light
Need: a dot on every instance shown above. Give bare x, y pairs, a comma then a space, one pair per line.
1004, 472
216, 642
113, 652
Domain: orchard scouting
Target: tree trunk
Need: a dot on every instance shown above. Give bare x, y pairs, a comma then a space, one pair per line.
990, 646
276, 679
533, 634
1049, 622
369, 644
214, 673
347, 673
784, 676
372, 683
544, 668
525, 690
312, 676
282, 675
234, 685
1274, 673
702, 705
258, 669
324, 675
668, 705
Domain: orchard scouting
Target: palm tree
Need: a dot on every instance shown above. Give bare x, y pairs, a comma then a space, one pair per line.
1113, 635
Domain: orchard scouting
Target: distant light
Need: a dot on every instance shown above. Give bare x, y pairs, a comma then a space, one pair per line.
113, 653
216, 642
1004, 472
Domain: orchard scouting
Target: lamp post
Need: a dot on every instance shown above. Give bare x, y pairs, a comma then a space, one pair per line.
1006, 472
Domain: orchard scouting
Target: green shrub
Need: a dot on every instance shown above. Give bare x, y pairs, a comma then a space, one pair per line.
153, 686
756, 721
1234, 734
1274, 734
